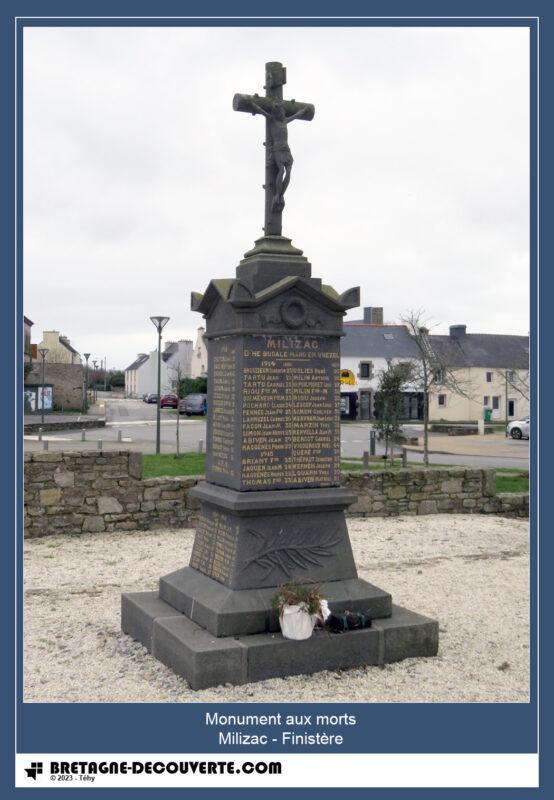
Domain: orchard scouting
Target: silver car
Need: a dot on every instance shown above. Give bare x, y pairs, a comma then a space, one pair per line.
518, 428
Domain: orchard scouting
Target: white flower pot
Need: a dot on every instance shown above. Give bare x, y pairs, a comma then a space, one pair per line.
296, 622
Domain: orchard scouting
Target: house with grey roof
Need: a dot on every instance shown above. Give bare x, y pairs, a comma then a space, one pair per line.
141, 377
176, 363
366, 348
493, 369
137, 377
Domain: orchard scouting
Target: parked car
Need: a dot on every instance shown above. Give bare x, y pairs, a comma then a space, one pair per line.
145, 397
152, 398
518, 428
193, 404
169, 401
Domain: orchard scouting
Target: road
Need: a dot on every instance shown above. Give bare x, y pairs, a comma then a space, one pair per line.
137, 422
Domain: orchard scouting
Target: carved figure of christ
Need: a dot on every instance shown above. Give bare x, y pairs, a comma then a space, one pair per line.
278, 113
279, 146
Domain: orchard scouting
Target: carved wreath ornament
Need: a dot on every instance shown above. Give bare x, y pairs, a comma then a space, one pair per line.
279, 551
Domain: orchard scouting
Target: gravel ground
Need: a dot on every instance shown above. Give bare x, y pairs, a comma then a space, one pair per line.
469, 572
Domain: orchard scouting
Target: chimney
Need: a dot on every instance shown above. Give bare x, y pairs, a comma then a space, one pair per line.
372, 315
457, 331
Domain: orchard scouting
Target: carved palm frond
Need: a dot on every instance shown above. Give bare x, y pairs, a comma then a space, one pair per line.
279, 551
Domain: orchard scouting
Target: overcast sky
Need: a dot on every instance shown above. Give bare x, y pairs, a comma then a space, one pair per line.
141, 183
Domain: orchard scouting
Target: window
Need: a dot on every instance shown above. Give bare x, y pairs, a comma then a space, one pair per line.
511, 408
488, 376
442, 399
366, 369
439, 375
509, 376
486, 400
496, 402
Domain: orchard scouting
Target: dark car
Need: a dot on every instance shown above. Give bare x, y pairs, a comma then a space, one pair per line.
193, 404
169, 401
151, 398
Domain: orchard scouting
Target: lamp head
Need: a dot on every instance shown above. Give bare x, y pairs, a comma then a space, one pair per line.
159, 323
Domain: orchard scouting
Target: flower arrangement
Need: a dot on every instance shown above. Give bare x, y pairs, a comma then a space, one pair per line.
299, 607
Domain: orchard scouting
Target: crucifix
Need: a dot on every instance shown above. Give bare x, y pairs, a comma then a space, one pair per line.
278, 157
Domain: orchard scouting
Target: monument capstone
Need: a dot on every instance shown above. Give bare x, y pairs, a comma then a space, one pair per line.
271, 507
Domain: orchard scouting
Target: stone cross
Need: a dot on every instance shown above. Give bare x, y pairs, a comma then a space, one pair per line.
278, 158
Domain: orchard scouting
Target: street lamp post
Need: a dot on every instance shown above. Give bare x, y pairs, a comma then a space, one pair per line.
95, 390
42, 351
159, 323
85, 396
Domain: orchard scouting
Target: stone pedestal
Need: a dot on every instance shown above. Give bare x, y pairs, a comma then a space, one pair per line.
271, 509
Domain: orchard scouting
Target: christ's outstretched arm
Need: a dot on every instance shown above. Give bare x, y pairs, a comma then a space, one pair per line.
297, 114
259, 109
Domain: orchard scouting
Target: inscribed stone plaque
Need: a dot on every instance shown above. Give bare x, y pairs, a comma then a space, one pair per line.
215, 544
274, 421
223, 411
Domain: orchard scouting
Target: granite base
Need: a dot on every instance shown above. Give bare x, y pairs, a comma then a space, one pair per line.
205, 660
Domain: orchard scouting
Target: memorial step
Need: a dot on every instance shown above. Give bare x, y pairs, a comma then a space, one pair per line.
205, 660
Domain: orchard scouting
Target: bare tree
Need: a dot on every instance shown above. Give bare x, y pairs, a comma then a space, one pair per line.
431, 370
516, 379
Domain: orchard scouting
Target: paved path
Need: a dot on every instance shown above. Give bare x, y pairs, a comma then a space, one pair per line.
36, 419
494, 449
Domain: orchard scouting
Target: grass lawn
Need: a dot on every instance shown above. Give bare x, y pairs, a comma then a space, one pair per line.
511, 480
156, 466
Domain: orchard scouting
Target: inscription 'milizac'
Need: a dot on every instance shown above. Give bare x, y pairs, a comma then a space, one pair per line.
290, 412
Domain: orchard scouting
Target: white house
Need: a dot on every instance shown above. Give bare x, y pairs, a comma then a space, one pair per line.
366, 348
141, 377
136, 378
176, 364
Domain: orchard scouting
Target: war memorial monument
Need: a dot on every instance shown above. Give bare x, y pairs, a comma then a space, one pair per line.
271, 507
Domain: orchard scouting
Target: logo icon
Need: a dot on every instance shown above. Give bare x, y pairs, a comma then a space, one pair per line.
34, 770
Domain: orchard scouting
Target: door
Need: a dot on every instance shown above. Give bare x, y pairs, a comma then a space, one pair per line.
365, 404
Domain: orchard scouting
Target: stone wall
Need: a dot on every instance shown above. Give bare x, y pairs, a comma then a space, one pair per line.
66, 379
70, 425
451, 490
83, 491
76, 492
